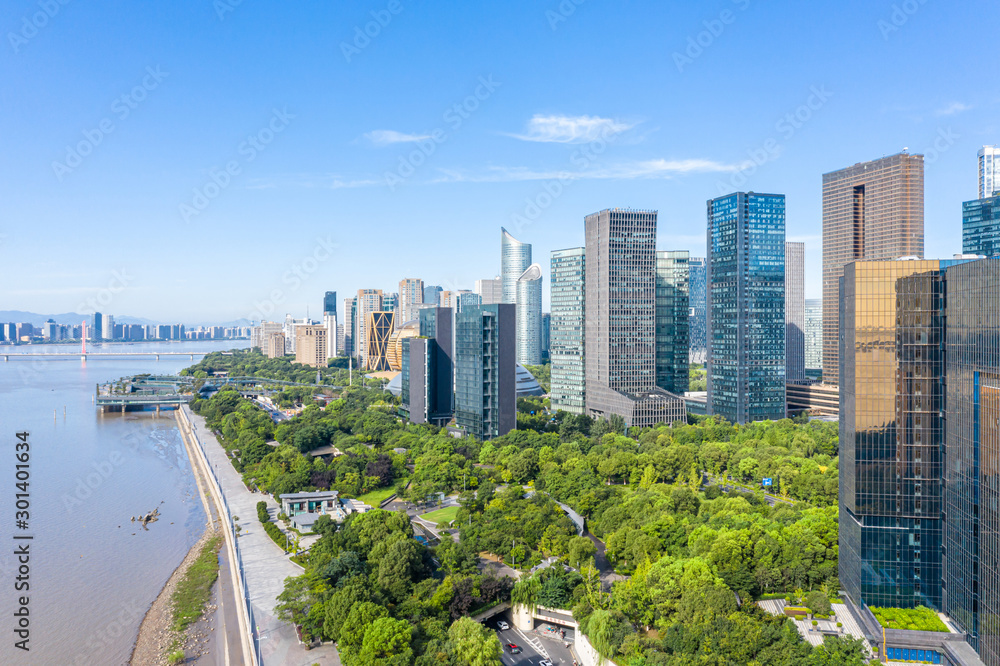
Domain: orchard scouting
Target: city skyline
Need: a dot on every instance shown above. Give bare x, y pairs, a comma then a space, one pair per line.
496, 166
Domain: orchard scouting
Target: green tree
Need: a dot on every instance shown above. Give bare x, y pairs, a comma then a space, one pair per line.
473, 644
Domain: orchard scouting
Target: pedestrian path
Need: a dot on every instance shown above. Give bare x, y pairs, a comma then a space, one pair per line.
265, 564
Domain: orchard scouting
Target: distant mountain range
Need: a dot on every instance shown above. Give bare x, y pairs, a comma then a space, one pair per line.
35, 319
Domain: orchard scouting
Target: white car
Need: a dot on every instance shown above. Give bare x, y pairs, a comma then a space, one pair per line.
503, 626
545, 662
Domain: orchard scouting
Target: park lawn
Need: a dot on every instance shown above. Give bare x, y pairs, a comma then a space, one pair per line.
445, 515
376, 497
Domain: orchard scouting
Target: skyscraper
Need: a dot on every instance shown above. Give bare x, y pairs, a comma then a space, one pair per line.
467, 299
107, 327
346, 342
437, 325
485, 371
972, 446
697, 327
981, 225
411, 297
96, 332
620, 329
814, 335
567, 387
515, 258
872, 210
795, 312
330, 303
890, 544
378, 329
529, 316
746, 307
490, 290
989, 171
672, 321
368, 301
311, 345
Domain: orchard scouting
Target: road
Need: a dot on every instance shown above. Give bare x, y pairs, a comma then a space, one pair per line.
534, 648
771, 500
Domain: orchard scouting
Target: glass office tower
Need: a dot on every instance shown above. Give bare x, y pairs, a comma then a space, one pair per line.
485, 370
529, 316
981, 226
566, 390
515, 258
972, 472
989, 171
672, 315
330, 303
746, 307
890, 433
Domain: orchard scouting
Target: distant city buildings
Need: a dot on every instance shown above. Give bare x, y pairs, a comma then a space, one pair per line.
746, 307
697, 298
989, 171
432, 295
872, 210
411, 297
275, 345
981, 225
491, 291
795, 312
567, 391
620, 322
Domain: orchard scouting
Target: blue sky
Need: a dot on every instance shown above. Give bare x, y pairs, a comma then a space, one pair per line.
350, 165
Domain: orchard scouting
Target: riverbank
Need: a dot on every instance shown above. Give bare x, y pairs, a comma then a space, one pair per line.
156, 635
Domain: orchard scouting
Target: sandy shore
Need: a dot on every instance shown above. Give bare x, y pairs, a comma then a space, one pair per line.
155, 633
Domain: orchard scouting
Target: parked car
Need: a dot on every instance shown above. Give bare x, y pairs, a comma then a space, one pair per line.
545, 662
502, 626
513, 649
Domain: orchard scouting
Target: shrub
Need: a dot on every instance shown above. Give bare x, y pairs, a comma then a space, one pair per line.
176, 657
840, 625
800, 617
262, 513
920, 618
815, 623
276, 534
818, 602
796, 610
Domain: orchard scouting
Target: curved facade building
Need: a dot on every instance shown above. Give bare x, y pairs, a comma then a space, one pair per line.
529, 316
515, 258
526, 384
394, 350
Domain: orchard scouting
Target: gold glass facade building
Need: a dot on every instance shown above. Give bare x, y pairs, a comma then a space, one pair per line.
394, 350
378, 329
871, 211
891, 433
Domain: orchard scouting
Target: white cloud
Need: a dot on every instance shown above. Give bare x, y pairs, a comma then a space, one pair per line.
570, 129
952, 109
389, 137
659, 168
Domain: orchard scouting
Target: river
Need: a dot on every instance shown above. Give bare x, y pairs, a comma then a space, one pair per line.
93, 572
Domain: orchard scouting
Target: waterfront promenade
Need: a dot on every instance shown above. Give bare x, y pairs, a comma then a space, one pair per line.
264, 563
